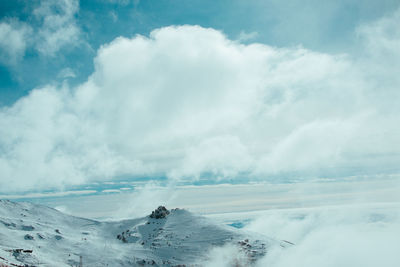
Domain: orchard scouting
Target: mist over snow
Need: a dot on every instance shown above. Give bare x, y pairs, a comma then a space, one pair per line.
340, 236
349, 235
187, 102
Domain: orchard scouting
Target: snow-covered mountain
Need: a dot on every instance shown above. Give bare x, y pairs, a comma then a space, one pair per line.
35, 235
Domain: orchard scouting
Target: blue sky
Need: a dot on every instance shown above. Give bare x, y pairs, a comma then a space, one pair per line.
196, 91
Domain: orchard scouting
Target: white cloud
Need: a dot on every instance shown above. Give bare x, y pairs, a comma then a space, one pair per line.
57, 29
121, 2
339, 236
58, 26
186, 101
247, 36
381, 41
144, 200
223, 156
226, 256
382, 37
66, 73
14, 37
311, 146
43, 144
113, 16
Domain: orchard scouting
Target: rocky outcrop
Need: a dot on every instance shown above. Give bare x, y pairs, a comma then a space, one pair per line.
159, 213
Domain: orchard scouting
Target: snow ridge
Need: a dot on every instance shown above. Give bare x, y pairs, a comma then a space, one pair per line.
35, 235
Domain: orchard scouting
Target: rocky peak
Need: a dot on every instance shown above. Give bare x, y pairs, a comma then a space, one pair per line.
159, 213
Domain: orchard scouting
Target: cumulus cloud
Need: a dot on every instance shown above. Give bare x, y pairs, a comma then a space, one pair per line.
186, 102
311, 146
224, 156
14, 37
58, 26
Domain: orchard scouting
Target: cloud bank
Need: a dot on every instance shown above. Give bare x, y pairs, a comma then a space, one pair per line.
339, 236
189, 103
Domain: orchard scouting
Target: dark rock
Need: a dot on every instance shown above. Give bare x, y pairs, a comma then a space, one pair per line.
28, 228
39, 236
160, 213
8, 224
141, 262
28, 237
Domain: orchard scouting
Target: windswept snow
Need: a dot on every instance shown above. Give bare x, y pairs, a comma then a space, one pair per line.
35, 235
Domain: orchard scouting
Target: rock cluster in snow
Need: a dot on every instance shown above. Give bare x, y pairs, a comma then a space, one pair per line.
159, 213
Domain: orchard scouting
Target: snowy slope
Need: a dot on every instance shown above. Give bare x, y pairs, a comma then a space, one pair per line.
48, 237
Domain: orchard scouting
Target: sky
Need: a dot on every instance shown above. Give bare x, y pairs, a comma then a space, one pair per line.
196, 92
279, 116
